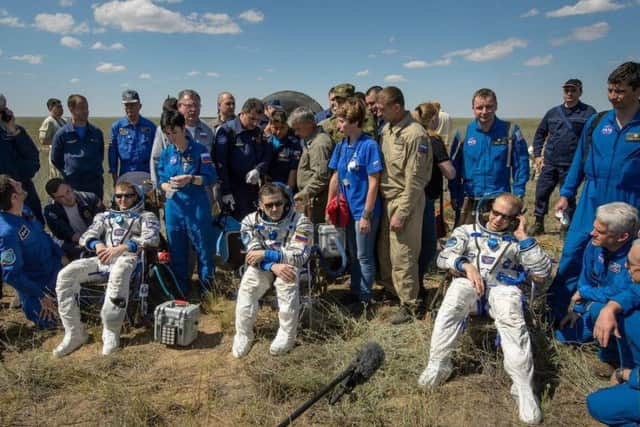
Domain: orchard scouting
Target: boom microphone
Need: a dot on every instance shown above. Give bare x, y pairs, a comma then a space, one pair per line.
361, 368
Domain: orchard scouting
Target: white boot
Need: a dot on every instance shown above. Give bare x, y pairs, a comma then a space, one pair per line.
73, 339
110, 341
435, 374
282, 344
528, 407
241, 346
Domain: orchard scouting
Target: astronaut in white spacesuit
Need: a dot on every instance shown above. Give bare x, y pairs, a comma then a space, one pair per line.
492, 261
278, 241
116, 236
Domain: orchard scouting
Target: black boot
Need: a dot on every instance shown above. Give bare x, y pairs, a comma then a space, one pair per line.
538, 227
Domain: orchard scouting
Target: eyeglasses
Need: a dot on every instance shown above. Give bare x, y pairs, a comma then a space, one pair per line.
502, 215
272, 205
125, 195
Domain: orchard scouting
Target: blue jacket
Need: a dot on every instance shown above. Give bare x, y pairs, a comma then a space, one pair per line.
603, 273
88, 205
19, 157
30, 259
482, 160
194, 160
323, 114
130, 147
239, 150
561, 128
79, 159
285, 157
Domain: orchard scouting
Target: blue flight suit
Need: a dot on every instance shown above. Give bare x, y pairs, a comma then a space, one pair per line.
88, 205
30, 262
611, 173
80, 157
187, 212
238, 151
285, 157
558, 132
20, 159
620, 405
130, 148
481, 163
323, 114
603, 275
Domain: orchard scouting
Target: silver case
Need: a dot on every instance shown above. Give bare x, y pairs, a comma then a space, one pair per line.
176, 324
328, 234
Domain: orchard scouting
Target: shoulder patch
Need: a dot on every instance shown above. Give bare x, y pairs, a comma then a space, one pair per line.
24, 232
123, 131
8, 257
423, 147
205, 158
471, 141
451, 242
607, 130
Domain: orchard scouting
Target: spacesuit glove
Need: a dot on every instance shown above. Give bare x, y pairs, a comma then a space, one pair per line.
229, 201
253, 176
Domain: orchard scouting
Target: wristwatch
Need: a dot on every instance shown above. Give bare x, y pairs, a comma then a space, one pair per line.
366, 215
619, 375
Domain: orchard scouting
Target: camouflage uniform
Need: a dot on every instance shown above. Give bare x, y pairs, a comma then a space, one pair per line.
330, 125
408, 161
313, 173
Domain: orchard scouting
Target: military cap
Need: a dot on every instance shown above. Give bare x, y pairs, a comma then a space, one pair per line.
344, 90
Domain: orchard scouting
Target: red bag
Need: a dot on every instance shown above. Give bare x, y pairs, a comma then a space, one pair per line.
338, 211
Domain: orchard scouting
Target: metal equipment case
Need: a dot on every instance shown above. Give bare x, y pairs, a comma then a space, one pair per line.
176, 323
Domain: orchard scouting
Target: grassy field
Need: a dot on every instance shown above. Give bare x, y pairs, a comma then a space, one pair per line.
149, 384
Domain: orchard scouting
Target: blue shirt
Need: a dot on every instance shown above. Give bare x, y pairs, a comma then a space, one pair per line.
19, 157
559, 132
194, 160
130, 147
79, 158
603, 274
482, 161
356, 162
286, 156
322, 115
30, 258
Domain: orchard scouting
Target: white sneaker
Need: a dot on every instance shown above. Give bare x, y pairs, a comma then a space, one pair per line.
110, 341
241, 346
528, 407
435, 374
282, 344
71, 342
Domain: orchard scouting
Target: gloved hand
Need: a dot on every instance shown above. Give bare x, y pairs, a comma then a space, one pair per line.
253, 177
229, 201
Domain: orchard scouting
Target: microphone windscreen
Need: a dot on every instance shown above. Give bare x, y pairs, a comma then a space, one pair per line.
368, 360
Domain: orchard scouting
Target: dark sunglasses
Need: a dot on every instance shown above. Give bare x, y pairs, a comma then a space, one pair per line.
502, 215
277, 204
125, 195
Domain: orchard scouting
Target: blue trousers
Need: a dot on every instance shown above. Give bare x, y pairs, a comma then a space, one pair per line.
362, 248
189, 221
620, 405
31, 306
429, 239
550, 176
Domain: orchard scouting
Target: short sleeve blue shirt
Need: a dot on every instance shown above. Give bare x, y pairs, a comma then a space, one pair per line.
354, 164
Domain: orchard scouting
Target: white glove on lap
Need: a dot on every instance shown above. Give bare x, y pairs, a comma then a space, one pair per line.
253, 177
229, 201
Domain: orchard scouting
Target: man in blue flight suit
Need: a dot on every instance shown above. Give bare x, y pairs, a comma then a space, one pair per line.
619, 322
558, 133
30, 259
242, 157
131, 139
78, 149
286, 151
19, 157
608, 161
603, 274
69, 214
327, 113
185, 171
492, 154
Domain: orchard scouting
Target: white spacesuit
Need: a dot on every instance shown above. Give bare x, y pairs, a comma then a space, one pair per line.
136, 229
287, 241
502, 261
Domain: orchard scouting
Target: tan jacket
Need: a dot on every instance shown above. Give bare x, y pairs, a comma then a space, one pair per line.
408, 160
313, 169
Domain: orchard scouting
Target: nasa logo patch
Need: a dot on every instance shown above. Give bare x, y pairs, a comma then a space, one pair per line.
607, 130
471, 141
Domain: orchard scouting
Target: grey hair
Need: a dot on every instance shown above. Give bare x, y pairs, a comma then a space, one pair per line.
188, 93
619, 217
302, 114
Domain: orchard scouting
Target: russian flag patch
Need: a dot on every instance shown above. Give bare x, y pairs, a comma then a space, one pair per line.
205, 158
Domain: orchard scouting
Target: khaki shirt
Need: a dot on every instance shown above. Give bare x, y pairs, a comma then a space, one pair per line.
330, 127
408, 159
313, 169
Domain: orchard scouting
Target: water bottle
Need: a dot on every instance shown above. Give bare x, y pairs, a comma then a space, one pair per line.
563, 217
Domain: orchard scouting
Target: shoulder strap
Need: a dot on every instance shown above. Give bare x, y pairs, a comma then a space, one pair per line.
566, 120
592, 128
510, 141
459, 146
